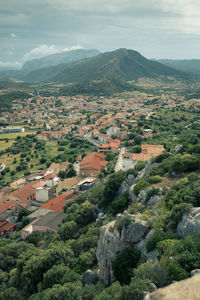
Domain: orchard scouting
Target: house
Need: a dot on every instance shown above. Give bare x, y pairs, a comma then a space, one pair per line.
6, 227
51, 135
68, 184
147, 132
28, 191
49, 222
53, 168
18, 183
12, 129
64, 166
45, 193
91, 164
147, 152
57, 204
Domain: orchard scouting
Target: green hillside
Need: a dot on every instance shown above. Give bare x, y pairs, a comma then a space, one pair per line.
186, 65
99, 87
122, 63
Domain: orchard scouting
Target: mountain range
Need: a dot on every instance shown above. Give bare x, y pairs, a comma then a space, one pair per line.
186, 65
86, 65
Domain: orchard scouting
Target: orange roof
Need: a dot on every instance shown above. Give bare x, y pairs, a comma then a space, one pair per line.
141, 156
93, 160
7, 205
6, 226
57, 204
27, 190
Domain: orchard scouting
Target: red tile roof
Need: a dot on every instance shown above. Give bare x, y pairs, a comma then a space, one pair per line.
57, 204
93, 160
27, 190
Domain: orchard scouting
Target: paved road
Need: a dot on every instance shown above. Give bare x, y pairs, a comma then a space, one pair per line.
119, 165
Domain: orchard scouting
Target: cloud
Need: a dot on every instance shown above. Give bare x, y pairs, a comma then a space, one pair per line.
13, 35
45, 50
10, 65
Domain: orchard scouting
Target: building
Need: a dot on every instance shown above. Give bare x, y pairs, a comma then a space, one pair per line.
12, 129
6, 228
147, 152
57, 204
49, 222
91, 164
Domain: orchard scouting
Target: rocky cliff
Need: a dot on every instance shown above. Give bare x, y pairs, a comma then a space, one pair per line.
126, 230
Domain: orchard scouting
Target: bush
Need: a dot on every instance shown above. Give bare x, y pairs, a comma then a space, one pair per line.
154, 179
120, 204
123, 264
157, 237
140, 165
142, 184
151, 193
155, 272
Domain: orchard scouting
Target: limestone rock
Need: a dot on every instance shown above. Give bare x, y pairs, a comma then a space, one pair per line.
153, 200
178, 149
88, 277
190, 223
113, 240
195, 272
186, 289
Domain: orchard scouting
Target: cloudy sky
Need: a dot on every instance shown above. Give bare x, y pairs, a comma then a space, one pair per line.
155, 28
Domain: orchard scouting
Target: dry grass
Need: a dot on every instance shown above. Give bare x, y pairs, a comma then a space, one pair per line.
14, 135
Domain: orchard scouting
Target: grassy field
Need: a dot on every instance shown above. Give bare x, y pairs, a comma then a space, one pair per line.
4, 145
14, 135
51, 148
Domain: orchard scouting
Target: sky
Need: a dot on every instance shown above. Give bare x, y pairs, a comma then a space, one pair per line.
155, 28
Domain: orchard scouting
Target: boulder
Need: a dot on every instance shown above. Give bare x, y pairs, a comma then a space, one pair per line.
178, 149
154, 200
88, 277
195, 272
185, 289
190, 223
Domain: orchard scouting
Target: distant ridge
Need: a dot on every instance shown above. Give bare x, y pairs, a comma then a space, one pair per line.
186, 65
59, 58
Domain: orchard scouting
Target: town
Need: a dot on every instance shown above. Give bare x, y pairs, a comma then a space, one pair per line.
32, 196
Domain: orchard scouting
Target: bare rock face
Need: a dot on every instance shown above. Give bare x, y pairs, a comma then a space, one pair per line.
113, 240
188, 289
190, 223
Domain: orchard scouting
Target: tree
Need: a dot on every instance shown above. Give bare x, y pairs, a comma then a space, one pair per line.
123, 264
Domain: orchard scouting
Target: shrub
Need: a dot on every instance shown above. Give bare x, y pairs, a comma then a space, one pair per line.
155, 272
157, 237
140, 165
154, 179
142, 184
151, 193
124, 263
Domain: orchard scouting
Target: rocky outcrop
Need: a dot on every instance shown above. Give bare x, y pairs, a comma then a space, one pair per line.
114, 238
186, 289
195, 272
88, 277
190, 223
178, 149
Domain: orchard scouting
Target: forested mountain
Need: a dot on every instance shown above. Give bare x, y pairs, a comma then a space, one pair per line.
123, 63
